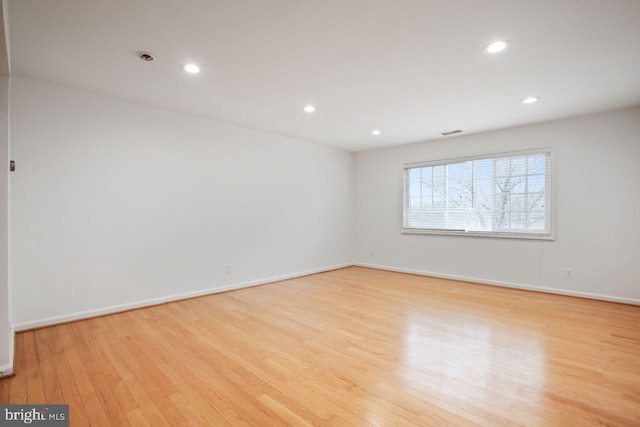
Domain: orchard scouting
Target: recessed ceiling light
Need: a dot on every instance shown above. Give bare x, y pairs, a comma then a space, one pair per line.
375, 132
145, 56
309, 108
191, 68
496, 47
531, 100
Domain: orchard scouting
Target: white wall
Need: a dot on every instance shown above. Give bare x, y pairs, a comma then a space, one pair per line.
6, 337
115, 203
597, 157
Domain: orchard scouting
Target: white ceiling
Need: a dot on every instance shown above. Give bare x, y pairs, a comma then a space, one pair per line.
412, 68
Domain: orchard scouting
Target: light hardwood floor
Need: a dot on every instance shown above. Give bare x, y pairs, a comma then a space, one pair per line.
349, 347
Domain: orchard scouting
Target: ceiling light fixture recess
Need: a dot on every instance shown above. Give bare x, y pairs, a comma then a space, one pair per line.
375, 132
531, 100
496, 47
145, 56
191, 68
309, 109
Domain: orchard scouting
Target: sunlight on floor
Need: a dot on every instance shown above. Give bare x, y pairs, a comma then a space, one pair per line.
468, 355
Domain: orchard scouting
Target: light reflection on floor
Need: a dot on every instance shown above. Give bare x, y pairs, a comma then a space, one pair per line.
468, 356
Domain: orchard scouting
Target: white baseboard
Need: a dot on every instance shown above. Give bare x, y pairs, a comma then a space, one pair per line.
6, 371
39, 323
601, 297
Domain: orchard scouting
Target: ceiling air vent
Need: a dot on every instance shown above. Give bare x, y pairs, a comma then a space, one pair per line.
451, 132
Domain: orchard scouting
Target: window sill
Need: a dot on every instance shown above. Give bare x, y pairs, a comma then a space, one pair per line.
523, 236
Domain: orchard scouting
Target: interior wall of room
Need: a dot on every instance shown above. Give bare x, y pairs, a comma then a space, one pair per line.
597, 211
116, 204
6, 335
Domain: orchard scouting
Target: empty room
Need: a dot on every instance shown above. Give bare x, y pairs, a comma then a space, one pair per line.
320, 213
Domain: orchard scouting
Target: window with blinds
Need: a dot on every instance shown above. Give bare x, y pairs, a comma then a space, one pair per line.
506, 195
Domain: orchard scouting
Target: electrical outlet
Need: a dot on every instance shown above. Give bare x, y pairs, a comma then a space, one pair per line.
568, 273
228, 268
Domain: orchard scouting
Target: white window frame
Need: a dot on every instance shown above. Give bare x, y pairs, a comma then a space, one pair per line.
550, 149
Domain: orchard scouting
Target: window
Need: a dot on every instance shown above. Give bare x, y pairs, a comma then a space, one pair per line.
504, 195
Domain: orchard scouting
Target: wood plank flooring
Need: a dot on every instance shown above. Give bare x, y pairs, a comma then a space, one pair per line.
351, 347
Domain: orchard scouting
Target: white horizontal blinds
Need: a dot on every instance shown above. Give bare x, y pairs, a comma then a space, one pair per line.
438, 197
508, 193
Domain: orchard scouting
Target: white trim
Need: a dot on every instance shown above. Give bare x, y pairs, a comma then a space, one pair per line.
462, 233
588, 295
6, 370
12, 331
549, 148
39, 323
12, 346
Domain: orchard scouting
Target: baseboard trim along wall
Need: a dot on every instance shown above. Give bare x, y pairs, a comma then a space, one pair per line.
6, 371
50, 321
557, 291
40, 323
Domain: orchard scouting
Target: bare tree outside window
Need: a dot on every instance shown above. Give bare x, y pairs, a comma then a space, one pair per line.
502, 194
